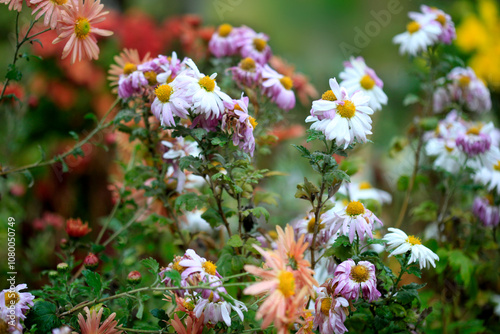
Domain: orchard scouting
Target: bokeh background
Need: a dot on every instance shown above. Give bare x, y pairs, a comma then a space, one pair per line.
316, 36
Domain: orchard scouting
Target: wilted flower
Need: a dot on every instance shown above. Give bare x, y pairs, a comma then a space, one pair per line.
400, 243
350, 278
240, 124
331, 311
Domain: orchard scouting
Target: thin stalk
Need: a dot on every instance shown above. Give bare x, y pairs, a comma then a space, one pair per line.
124, 227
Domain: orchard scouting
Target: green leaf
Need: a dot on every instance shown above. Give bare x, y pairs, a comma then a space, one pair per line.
140, 310
266, 197
198, 133
175, 276
74, 135
425, 211
410, 99
93, 280
257, 212
235, 241
29, 178
91, 116
152, 265
403, 182
219, 140
191, 201
304, 151
414, 286
161, 315
13, 73
43, 315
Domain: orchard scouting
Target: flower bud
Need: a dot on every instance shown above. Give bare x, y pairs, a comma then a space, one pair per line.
64, 244
91, 261
62, 268
53, 274
134, 277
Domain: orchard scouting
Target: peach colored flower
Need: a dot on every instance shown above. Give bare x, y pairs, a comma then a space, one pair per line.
285, 300
294, 252
76, 229
192, 325
126, 63
77, 26
13, 4
51, 9
91, 325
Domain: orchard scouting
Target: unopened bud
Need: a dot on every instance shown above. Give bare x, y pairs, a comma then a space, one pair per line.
134, 277
62, 267
91, 261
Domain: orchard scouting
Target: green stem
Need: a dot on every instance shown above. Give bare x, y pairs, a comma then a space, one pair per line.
100, 126
124, 227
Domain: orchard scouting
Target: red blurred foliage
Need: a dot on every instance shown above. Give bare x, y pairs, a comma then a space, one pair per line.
137, 30
13, 89
284, 132
84, 73
62, 94
76, 228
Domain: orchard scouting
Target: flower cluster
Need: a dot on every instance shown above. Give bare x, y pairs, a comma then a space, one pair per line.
427, 28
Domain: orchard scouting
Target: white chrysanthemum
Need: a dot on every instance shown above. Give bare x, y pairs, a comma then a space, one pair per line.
170, 101
207, 97
489, 176
448, 156
340, 117
179, 147
357, 76
364, 190
420, 33
400, 243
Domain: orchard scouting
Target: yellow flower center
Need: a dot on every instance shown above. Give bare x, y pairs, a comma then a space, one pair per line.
365, 185
464, 80
413, 27
448, 148
247, 64
311, 223
474, 130
177, 267
360, 273
82, 28
129, 68
253, 121
413, 240
59, 2
367, 82
259, 44
209, 267
163, 92
326, 304
441, 19
497, 166
490, 199
286, 283
273, 235
207, 83
286, 82
225, 29
189, 306
346, 110
151, 77
355, 208
11, 298
329, 96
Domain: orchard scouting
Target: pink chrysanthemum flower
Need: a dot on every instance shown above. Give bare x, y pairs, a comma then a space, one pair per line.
331, 312
126, 63
476, 140
169, 102
77, 26
240, 124
285, 299
487, 212
13, 4
254, 45
20, 301
92, 325
195, 264
468, 89
350, 278
305, 227
223, 41
448, 33
52, 9
353, 220
278, 87
247, 73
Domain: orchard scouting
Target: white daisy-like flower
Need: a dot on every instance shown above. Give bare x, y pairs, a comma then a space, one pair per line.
357, 76
169, 102
420, 33
340, 117
489, 175
448, 156
352, 220
400, 243
207, 97
197, 264
178, 147
216, 309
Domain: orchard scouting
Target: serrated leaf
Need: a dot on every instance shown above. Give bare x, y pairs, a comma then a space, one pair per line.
235, 241
152, 265
94, 281
198, 133
43, 315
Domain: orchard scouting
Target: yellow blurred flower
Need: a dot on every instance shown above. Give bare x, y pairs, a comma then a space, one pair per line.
478, 33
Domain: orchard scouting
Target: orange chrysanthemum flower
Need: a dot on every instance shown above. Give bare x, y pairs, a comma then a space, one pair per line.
193, 325
126, 63
77, 26
92, 325
76, 228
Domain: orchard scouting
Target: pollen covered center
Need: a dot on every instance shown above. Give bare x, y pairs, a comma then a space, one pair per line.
365, 185
247, 64
441, 19
326, 304
207, 83
163, 92
225, 29
11, 298
286, 283
312, 222
355, 208
209, 267
59, 2
464, 80
367, 82
259, 44
329, 96
286, 82
151, 77
413, 27
252, 121
474, 130
177, 267
497, 166
82, 28
346, 110
413, 240
129, 68
360, 273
